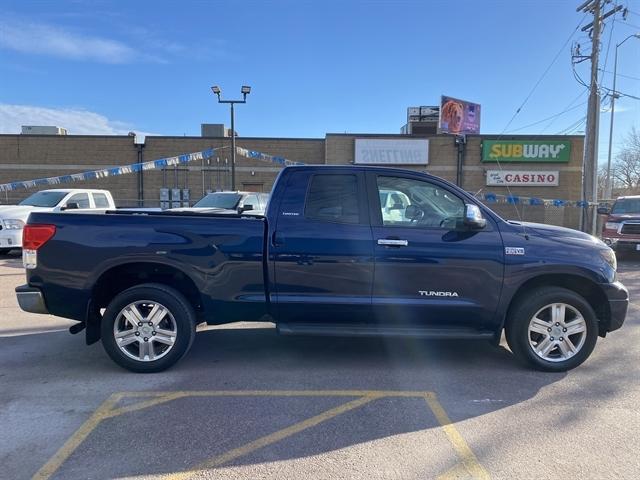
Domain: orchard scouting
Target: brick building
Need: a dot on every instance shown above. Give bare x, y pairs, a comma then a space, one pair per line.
26, 157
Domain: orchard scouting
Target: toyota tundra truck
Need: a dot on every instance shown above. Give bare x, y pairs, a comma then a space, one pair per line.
329, 257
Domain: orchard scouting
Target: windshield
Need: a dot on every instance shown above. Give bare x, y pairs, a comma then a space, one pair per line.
44, 199
627, 205
228, 201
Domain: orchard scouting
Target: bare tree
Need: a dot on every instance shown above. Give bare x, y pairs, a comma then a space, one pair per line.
626, 169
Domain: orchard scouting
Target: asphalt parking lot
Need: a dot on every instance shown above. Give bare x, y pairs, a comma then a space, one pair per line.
246, 403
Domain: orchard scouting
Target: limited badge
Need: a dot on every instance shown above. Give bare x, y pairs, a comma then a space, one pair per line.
513, 251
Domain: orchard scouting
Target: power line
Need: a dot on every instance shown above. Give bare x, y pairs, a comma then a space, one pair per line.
619, 74
569, 105
544, 74
551, 117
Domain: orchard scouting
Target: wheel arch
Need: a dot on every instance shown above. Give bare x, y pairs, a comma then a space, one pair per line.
120, 277
583, 286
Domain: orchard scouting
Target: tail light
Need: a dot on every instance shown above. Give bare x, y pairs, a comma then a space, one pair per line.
35, 236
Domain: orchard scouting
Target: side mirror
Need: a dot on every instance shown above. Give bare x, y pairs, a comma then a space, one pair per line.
245, 208
603, 211
70, 206
473, 218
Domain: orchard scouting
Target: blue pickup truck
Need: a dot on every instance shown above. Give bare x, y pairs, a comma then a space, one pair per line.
341, 251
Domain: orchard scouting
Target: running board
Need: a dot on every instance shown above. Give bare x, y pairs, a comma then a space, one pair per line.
363, 330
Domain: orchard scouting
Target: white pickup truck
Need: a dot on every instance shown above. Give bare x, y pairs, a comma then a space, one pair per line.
13, 217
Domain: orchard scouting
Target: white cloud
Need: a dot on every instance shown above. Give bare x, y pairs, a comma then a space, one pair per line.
42, 39
76, 121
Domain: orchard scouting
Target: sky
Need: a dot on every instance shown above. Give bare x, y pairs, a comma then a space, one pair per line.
110, 67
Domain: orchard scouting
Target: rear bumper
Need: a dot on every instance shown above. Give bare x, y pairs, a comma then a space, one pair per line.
618, 297
31, 299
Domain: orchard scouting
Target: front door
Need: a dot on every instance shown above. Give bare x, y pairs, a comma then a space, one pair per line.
429, 269
322, 249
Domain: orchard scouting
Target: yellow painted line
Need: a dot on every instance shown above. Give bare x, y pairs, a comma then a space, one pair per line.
77, 438
146, 404
468, 458
284, 393
271, 438
456, 473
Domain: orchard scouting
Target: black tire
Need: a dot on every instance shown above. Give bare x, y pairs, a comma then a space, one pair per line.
517, 327
5, 251
179, 308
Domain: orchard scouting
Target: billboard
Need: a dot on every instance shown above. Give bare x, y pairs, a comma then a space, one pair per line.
458, 116
391, 152
522, 178
550, 151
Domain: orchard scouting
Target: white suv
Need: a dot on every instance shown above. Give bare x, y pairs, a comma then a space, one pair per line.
14, 217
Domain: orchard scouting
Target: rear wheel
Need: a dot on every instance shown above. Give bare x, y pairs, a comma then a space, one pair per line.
552, 329
148, 328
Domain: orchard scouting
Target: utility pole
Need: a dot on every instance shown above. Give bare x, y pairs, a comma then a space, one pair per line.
590, 162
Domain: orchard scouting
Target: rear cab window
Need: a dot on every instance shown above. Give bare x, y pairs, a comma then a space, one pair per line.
100, 200
334, 198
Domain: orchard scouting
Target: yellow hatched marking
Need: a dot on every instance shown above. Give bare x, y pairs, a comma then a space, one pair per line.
469, 461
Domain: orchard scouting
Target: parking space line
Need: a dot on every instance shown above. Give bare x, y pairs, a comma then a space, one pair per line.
77, 438
469, 461
271, 438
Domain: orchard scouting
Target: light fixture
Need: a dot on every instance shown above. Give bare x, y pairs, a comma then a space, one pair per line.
245, 90
215, 89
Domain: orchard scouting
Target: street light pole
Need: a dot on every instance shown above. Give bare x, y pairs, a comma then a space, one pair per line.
614, 95
245, 90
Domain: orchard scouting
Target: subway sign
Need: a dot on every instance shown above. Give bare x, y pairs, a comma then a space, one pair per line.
550, 151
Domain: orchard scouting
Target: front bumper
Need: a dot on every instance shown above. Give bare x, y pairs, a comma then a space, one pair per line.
10, 238
31, 299
618, 297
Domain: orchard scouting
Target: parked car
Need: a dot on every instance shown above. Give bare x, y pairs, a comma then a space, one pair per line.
251, 203
621, 229
14, 217
326, 260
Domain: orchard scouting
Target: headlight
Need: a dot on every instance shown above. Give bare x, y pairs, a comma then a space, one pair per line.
13, 224
609, 257
611, 225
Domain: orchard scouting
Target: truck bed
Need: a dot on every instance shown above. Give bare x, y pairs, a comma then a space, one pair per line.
222, 255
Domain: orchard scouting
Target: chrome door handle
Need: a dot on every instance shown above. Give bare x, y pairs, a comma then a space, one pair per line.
393, 242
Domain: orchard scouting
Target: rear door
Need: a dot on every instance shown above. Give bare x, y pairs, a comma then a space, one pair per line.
322, 248
429, 269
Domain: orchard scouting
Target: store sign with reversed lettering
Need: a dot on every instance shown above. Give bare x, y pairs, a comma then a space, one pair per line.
522, 178
391, 152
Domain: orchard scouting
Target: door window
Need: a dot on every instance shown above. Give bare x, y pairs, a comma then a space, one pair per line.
414, 203
82, 199
333, 198
253, 201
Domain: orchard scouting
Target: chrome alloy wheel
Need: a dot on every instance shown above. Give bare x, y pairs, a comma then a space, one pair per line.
145, 330
557, 332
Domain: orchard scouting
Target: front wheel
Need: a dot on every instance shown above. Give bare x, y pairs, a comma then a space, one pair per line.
552, 329
148, 328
